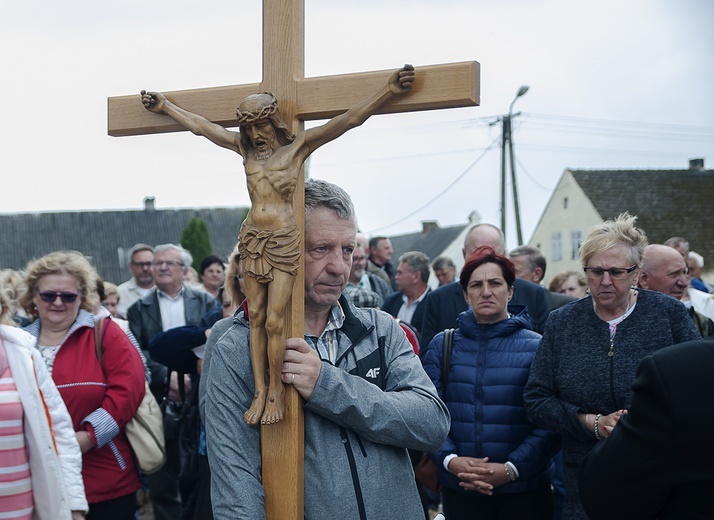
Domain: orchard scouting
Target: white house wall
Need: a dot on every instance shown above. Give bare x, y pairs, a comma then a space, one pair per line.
568, 212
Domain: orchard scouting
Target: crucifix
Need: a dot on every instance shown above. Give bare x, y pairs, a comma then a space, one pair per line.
301, 99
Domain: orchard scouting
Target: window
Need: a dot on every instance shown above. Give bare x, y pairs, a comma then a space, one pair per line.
565, 202
575, 241
557, 246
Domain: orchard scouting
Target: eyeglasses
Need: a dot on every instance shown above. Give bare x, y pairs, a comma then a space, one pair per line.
616, 273
142, 265
50, 296
170, 263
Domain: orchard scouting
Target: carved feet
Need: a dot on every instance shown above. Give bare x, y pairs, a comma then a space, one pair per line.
267, 409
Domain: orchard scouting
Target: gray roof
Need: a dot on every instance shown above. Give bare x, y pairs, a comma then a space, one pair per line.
667, 202
432, 240
106, 236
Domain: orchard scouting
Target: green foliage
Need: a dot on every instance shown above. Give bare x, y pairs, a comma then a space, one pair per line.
197, 240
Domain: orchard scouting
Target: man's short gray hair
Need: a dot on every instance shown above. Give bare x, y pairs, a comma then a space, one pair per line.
416, 261
137, 248
442, 262
186, 257
535, 257
323, 194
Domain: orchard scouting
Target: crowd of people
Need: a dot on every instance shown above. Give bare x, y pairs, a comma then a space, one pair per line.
515, 408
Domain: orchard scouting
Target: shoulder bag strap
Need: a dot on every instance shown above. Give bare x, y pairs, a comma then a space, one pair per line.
98, 329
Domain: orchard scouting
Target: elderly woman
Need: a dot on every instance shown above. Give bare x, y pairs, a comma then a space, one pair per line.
580, 380
101, 398
494, 463
40, 461
572, 283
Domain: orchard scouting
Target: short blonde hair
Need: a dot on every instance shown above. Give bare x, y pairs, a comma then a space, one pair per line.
611, 233
110, 289
61, 262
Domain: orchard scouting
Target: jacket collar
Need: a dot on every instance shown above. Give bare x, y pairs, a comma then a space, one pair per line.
84, 319
518, 319
353, 327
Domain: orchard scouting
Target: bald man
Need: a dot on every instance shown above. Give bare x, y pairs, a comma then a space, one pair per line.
664, 270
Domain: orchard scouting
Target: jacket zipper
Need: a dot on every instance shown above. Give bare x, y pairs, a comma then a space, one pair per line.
353, 471
611, 358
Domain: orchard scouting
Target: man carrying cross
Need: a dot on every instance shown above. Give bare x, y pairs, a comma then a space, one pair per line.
269, 238
367, 398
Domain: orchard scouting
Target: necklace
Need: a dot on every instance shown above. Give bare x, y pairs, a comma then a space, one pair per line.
614, 323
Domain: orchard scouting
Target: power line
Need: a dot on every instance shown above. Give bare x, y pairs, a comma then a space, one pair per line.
442, 192
533, 180
637, 125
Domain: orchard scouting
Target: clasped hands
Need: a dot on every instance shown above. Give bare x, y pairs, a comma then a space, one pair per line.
478, 474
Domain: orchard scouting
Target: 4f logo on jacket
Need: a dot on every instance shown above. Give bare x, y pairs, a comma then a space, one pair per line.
371, 367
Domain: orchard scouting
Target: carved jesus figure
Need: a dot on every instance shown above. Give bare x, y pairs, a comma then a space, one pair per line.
269, 237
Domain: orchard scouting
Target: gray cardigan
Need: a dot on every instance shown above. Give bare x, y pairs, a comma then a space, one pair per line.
573, 373
357, 430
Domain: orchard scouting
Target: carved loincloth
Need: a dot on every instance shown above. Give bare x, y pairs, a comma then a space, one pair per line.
263, 249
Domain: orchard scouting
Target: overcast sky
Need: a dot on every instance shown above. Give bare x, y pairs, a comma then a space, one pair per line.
612, 85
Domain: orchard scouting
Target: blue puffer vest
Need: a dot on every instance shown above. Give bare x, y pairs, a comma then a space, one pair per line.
488, 369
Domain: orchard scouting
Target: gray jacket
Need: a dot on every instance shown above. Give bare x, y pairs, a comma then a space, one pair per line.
364, 413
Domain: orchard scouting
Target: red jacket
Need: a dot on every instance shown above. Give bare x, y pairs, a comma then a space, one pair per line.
102, 399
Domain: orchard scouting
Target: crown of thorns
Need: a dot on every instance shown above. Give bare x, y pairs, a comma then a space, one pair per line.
247, 116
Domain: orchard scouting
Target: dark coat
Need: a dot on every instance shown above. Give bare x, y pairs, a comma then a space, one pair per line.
144, 318
174, 347
443, 305
394, 302
556, 300
659, 460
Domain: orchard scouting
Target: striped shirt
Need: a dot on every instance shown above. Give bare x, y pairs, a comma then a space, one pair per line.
15, 483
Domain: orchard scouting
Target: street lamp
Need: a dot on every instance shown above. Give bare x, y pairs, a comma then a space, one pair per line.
507, 137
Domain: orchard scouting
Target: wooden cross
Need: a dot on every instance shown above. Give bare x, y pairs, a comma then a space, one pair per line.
301, 99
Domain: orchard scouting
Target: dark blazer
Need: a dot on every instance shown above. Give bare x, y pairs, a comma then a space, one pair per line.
556, 300
443, 305
659, 460
394, 302
144, 319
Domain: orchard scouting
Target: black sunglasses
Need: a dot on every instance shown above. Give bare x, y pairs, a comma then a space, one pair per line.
66, 297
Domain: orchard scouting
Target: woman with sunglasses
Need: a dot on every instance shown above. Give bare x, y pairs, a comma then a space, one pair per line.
101, 398
579, 384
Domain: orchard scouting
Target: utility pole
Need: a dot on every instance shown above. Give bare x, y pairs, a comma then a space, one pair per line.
507, 137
